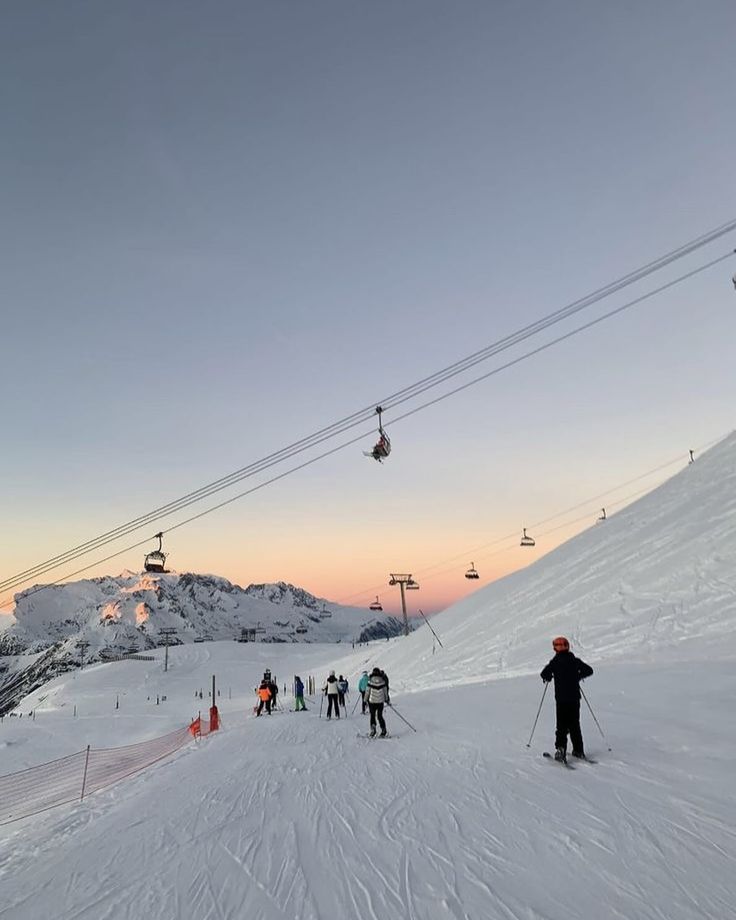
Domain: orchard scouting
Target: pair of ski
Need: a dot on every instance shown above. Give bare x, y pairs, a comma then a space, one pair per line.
372, 737
564, 763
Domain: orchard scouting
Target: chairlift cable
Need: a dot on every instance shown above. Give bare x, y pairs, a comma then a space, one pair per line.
401, 396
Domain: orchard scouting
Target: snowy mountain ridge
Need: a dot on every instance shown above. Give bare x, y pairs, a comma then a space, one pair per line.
130, 611
55, 629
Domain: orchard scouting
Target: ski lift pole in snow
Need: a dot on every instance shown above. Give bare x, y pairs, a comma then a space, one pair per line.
403, 581
430, 626
594, 718
534, 727
401, 717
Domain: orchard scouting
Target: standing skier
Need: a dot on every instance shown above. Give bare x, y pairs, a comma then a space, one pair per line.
363, 688
264, 697
274, 688
567, 672
342, 689
377, 694
331, 692
299, 695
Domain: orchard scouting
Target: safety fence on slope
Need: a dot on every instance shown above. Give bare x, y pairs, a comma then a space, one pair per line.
74, 777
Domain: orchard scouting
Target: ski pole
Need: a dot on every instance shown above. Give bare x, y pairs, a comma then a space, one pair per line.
356, 703
433, 632
321, 701
401, 717
544, 693
593, 714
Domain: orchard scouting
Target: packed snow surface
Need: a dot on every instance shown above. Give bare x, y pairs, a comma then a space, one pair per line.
292, 816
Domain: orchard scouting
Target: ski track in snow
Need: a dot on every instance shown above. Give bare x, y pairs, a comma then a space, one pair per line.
295, 817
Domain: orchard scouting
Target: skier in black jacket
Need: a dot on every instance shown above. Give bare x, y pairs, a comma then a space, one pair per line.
567, 672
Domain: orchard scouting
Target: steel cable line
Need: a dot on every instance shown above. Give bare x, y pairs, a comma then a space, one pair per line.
362, 415
424, 573
564, 312
201, 514
70, 556
512, 546
401, 396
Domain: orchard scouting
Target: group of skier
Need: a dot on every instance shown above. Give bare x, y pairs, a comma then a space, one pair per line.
565, 669
267, 692
374, 694
373, 689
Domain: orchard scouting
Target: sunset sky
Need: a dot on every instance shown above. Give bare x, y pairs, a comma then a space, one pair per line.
227, 225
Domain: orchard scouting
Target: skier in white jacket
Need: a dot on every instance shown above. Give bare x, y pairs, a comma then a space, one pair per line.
377, 694
331, 692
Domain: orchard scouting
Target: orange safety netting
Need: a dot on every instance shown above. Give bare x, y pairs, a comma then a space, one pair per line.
70, 779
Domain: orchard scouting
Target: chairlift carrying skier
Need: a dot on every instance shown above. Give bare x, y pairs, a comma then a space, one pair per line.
382, 447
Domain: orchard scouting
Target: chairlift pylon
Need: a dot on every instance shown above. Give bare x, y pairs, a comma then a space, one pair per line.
527, 540
472, 572
155, 561
376, 605
382, 447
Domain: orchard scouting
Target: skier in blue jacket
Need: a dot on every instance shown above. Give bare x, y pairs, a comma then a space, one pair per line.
362, 687
299, 695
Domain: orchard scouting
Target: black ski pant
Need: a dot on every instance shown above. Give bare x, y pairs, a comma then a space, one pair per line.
332, 701
568, 722
260, 707
363, 701
377, 712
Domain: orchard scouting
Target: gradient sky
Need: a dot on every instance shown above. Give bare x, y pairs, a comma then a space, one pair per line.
226, 225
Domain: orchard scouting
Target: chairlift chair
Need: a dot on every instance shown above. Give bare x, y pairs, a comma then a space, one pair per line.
472, 572
156, 561
412, 585
376, 605
603, 515
382, 447
527, 540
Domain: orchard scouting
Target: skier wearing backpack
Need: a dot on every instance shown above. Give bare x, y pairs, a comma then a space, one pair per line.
342, 689
377, 693
567, 671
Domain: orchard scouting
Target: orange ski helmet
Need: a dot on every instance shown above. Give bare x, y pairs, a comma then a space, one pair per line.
560, 644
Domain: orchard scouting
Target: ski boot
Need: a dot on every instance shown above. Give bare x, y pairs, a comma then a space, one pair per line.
560, 755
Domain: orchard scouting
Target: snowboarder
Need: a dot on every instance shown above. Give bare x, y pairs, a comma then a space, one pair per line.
377, 693
264, 697
342, 689
363, 687
331, 692
299, 695
567, 672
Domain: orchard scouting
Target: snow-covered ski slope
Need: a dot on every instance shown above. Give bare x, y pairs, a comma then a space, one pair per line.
296, 817
657, 581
